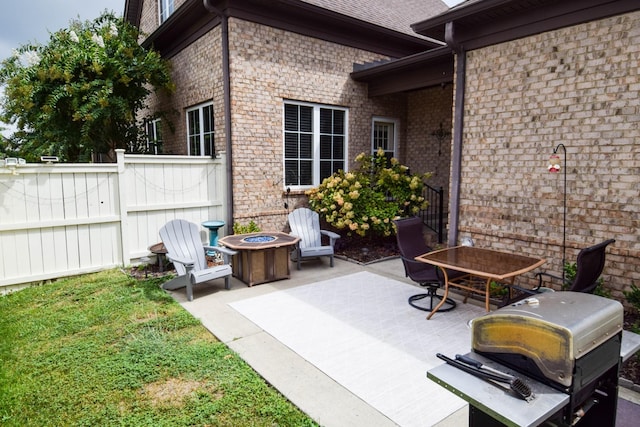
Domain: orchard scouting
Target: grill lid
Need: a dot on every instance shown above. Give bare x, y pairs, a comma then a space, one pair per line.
561, 328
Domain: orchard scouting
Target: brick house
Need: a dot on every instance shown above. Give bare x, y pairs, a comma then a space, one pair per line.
509, 79
258, 64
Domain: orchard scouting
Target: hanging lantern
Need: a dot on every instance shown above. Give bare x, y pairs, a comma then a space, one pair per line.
554, 163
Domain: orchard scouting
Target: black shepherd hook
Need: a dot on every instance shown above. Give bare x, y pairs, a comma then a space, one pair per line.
286, 204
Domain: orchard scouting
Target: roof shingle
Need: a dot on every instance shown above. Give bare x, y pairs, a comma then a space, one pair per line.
397, 15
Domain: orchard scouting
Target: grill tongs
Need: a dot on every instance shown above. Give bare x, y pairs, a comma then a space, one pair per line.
495, 377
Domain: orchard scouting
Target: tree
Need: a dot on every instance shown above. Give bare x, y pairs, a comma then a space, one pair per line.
80, 93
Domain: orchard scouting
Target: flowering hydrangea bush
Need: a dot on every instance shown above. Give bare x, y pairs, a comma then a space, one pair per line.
366, 200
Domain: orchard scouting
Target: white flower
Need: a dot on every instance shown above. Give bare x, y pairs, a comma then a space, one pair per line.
29, 58
73, 36
113, 30
97, 39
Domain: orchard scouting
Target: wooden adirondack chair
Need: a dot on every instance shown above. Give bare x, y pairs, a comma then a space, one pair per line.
185, 249
305, 224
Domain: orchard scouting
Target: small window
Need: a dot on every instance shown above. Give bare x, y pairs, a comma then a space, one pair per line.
384, 136
315, 143
200, 130
165, 9
154, 136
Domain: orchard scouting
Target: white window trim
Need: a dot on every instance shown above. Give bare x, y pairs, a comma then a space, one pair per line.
316, 142
170, 7
200, 108
396, 129
153, 140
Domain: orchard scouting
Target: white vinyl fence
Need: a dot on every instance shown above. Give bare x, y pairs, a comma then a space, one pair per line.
59, 220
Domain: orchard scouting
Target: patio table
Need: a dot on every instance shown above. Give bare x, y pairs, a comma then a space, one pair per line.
484, 263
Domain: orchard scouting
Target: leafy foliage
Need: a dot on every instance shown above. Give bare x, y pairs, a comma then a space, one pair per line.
252, 227
366, 200
80, 93
633, 297
570, 271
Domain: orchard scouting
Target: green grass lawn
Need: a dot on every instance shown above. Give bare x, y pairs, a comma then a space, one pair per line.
106, 349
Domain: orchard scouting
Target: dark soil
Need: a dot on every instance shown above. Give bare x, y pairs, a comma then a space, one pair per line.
367, 250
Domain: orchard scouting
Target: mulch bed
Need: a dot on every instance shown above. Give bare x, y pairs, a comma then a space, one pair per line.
366, 250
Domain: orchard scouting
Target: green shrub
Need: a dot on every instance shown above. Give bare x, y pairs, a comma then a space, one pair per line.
633, 296
570, 271
252, 227
365, 200
497, 290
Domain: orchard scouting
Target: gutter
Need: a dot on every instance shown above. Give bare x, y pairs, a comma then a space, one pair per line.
458, 127
224, 20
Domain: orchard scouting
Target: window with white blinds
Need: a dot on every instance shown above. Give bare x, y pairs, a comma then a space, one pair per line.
315, 143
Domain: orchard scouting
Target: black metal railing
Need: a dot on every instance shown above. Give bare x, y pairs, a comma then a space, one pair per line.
433, 215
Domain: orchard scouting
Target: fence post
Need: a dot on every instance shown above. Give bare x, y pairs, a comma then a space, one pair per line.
122, 202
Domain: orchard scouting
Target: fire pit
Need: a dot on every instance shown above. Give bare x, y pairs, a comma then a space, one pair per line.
262, 257
259, 239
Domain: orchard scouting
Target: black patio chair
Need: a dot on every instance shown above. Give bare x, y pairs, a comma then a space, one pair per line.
589, 267
411, 244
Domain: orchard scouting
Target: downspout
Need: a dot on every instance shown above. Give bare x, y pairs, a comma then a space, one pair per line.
226, 88
458, 126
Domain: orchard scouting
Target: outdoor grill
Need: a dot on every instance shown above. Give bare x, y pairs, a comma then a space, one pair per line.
567, 340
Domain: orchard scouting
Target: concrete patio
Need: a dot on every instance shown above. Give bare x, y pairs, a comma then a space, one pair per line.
317, 394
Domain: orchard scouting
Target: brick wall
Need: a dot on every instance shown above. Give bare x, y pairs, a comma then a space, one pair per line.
150, 16
267, 67
577, 86
198, 82
427, 110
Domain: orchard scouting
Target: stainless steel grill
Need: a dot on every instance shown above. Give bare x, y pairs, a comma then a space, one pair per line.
569, 341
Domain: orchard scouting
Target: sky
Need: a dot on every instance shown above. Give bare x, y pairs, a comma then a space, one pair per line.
26, 21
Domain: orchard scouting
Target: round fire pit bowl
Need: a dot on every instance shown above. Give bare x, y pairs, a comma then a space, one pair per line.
263, 238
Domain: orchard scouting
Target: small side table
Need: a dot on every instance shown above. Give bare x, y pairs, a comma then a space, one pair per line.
159, 250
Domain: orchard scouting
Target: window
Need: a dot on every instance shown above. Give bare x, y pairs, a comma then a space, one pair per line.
384, 135
315, 143
165, 8
200, 130
154, 136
